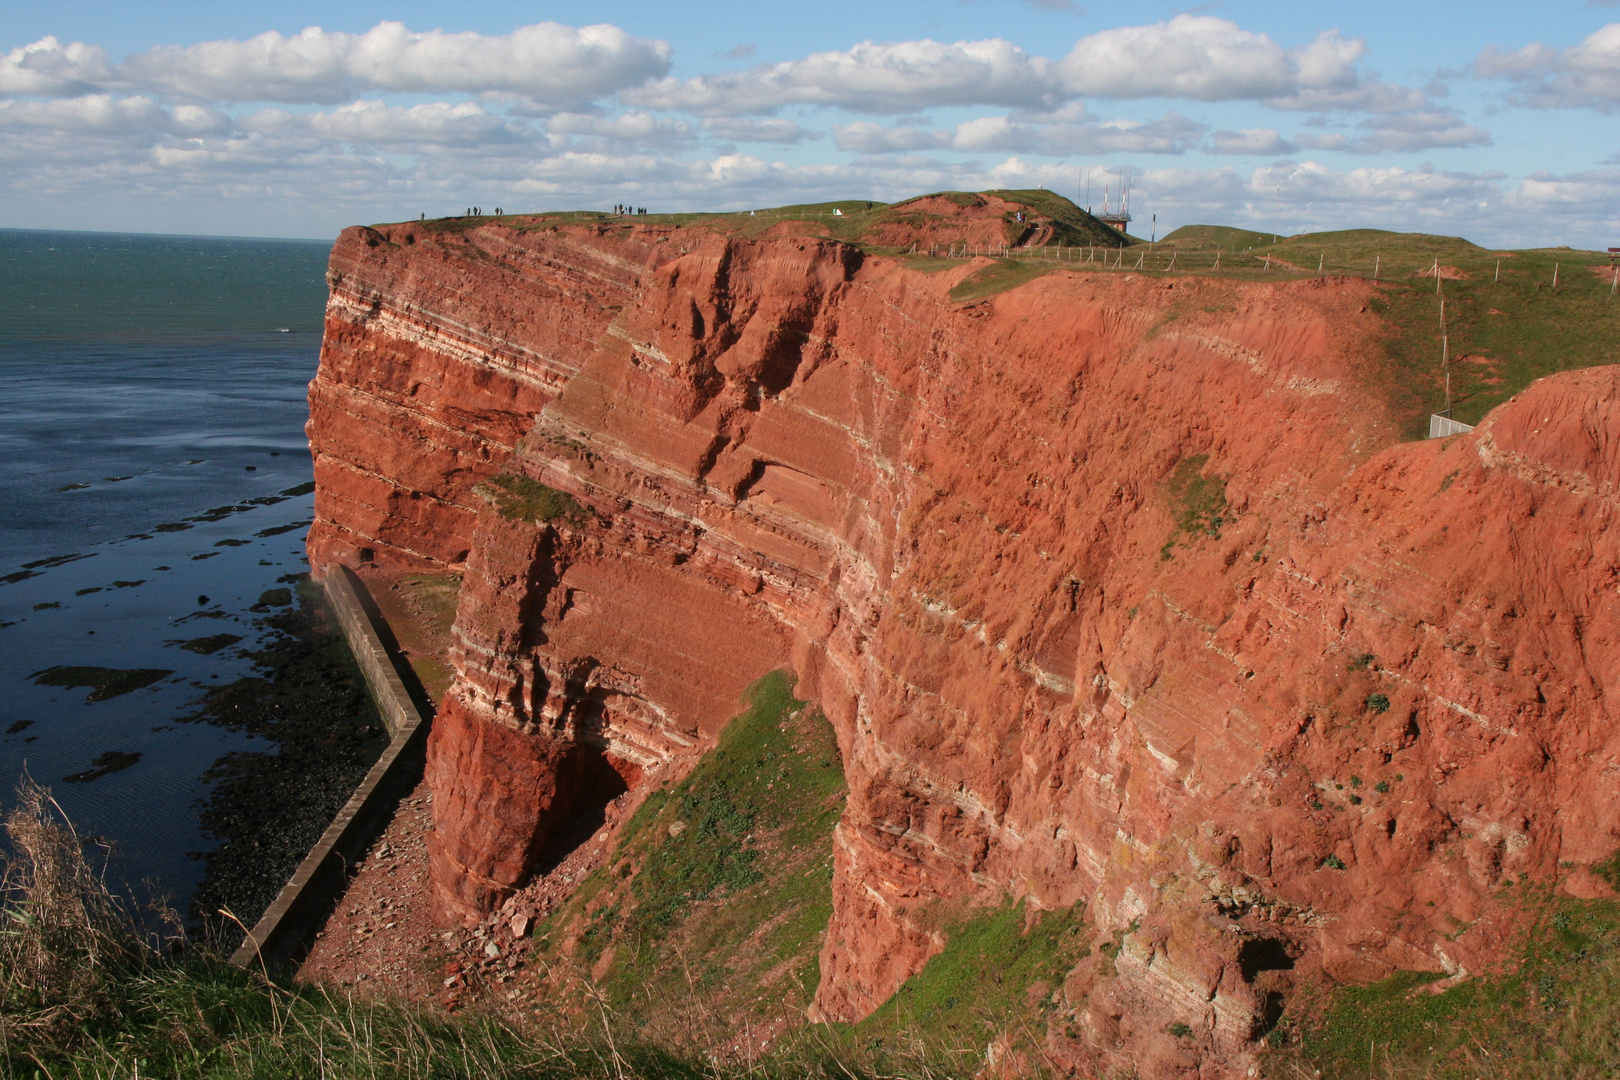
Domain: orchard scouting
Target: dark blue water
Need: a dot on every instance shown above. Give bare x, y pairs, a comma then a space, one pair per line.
152, 403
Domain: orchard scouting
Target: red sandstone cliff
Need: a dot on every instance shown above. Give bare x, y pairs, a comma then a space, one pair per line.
441, 346
963, 526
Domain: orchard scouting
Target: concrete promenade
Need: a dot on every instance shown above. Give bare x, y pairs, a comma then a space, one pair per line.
303, 901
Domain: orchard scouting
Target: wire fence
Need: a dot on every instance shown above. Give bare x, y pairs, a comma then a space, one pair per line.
1169, 258
1165, 259
1152, 258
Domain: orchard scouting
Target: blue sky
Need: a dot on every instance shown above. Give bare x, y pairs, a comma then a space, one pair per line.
1495, 121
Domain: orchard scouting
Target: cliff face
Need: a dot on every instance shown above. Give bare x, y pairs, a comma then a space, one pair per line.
1117, 591
436, 357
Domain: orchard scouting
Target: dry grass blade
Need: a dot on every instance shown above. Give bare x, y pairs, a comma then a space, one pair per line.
66, 941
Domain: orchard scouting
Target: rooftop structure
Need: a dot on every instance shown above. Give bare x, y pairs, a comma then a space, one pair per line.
1118, 217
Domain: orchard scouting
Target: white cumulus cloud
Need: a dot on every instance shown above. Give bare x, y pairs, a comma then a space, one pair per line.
94, 113
103, 114
1425, 129
1207, 59
1391, 187
546, 63
870, 77
47, 68
757, 129
374, 123
865, 137
1191, 57
1585, 76
305, 68
1250, 141
636, 127
1076, 134
1404, 132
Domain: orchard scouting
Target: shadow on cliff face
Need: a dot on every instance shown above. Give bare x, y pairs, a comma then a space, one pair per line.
1265, 964
537, 798
1263, 954
599, 784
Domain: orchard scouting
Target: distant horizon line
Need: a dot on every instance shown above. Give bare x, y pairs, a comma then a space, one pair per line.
535, 213
168, 235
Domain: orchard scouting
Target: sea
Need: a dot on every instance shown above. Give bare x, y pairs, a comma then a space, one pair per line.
155, 490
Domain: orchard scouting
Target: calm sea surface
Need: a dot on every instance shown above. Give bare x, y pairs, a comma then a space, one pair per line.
154, 485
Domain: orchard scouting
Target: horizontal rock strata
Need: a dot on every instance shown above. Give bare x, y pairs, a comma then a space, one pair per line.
1117, 591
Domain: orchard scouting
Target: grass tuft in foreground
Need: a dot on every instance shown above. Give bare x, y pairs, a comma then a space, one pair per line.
84, 993
67, 947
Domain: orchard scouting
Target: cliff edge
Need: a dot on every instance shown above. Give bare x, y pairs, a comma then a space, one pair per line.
1119, 590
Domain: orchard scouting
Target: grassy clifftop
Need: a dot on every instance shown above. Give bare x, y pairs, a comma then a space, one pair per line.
1510, 317
863, 222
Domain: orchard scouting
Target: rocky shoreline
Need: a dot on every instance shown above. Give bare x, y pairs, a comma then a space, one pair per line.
268, 808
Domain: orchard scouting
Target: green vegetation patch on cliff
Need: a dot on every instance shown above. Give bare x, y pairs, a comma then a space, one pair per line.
709, 920
998, 277
1198, 502
518, 498
1553, 1015
721, 888
999, 977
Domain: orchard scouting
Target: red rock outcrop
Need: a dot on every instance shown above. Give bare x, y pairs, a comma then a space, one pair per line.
1117, 590
441, 346
980, 222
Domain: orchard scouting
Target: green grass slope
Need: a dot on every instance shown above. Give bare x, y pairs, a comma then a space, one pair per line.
721, 886
1074, 227
1222, 237
708, 920
999, 979
703, 931
1554, 1014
